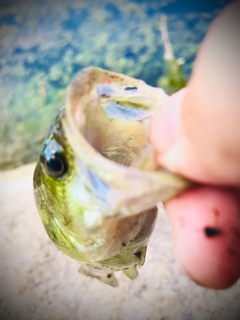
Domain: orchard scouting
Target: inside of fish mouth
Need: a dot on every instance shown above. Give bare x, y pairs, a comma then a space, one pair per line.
115, 136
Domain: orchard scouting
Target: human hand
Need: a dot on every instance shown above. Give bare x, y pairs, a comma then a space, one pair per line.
197, 134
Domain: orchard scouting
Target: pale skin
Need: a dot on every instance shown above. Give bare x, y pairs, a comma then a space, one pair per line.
197, 134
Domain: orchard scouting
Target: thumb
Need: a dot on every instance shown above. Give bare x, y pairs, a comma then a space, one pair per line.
202, 145
196, 133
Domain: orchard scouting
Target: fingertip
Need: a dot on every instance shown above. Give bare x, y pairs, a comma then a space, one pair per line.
206, 232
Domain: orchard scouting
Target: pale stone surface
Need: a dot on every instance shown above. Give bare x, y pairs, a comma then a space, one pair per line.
37, 282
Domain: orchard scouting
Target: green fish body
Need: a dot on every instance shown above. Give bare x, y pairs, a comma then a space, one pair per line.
96, 184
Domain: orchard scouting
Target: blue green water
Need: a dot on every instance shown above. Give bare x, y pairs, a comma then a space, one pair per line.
44, 44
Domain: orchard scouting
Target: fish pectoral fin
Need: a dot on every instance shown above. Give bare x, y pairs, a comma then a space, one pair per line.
102, 275
131, 272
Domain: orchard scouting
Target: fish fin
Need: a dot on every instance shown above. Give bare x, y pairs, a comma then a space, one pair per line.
141, 255
131, 272
103, 276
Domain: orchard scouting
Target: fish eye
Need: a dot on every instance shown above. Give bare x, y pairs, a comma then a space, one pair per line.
55, 166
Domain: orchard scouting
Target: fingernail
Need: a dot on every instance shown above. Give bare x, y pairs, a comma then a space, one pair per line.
165, 125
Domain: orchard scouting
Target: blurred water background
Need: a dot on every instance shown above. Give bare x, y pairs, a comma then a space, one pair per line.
45, 43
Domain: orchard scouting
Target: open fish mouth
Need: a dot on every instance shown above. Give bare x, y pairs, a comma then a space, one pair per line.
107, 122
112, 116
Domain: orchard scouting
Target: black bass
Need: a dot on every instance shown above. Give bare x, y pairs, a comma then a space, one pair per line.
96, 183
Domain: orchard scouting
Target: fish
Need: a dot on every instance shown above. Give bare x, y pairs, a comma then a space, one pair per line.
97, 182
